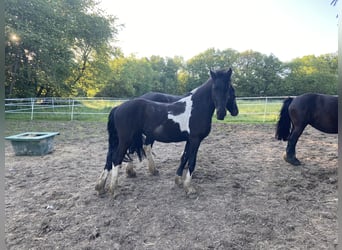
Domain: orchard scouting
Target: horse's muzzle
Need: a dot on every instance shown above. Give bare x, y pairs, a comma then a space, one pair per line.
234, 112
221, 114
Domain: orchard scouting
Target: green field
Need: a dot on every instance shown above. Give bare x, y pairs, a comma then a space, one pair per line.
256, 111
250, 111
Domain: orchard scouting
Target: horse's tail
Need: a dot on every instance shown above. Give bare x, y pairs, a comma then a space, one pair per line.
284, 124
113, 139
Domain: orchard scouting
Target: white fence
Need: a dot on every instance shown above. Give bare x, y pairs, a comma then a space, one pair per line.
265, 108
59, 106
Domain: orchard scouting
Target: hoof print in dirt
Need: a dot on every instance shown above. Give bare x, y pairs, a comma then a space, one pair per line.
131, 173
94, 234
155, 173
236, 185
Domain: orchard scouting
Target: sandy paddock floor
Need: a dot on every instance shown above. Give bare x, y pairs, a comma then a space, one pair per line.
248, 196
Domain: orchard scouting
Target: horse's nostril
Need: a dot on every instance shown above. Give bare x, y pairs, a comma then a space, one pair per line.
235, 113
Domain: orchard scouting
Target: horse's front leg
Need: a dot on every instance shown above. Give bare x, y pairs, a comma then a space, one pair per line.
189, 156
193, 149
184, 160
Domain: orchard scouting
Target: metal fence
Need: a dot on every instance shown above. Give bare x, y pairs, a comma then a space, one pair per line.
264, 109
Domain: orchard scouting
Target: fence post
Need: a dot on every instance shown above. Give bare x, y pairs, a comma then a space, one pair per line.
72, 109
265, 108
32, 108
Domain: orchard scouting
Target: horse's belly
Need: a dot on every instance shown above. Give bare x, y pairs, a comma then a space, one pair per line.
329, 129
169, 134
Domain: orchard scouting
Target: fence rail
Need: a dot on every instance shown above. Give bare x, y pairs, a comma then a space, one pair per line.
259, 109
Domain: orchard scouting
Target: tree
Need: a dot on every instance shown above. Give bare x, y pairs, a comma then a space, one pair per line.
258, 74
165, 71
50, 43
313, 74
198, 67
129, 77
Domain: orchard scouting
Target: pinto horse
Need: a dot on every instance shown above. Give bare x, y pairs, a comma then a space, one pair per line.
168, 98
188, 119
317, 110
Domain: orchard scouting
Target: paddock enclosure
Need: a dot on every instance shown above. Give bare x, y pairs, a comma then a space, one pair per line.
248, 196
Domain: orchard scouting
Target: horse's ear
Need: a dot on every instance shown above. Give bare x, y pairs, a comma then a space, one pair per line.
212, 74
229, 72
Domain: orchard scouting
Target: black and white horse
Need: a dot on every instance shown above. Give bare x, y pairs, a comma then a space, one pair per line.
188, 119
168, 98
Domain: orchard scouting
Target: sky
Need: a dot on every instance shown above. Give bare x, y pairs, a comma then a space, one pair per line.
287, 29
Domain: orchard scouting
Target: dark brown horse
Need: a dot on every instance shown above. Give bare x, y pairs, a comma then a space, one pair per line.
317, 110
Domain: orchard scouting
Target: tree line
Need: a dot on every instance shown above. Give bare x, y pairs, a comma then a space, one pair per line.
65, 48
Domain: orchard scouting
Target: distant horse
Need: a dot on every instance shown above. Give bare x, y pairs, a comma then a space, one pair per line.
317, 110
188, 119
168, 98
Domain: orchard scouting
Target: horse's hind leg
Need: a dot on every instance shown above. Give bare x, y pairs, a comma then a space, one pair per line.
114, 179
290, 155
117, 162
151, 165
101, 182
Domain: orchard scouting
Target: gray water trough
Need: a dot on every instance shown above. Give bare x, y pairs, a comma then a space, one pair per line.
32, 143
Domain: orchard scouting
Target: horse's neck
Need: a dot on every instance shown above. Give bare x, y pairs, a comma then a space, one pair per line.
202, 96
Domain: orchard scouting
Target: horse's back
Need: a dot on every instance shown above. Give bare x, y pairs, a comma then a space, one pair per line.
129, 115
160, 97
318, 110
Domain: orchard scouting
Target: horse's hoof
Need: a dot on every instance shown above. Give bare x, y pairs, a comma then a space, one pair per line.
190, 190
112, 191
113, 187
100, 191
99, 187
292, 160
178, 181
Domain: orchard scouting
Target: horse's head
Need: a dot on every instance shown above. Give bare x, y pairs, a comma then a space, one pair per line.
223, 93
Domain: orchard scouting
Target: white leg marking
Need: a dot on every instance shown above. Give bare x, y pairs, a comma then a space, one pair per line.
101, 182
187, 180
114, 179
151, 164
187, 184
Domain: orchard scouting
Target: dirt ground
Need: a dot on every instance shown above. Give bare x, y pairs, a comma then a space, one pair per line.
248, 196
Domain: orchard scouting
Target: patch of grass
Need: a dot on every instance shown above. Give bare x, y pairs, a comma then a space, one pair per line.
250, 111
100, 104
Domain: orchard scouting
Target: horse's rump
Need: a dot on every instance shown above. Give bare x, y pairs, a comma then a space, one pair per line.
318, 110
